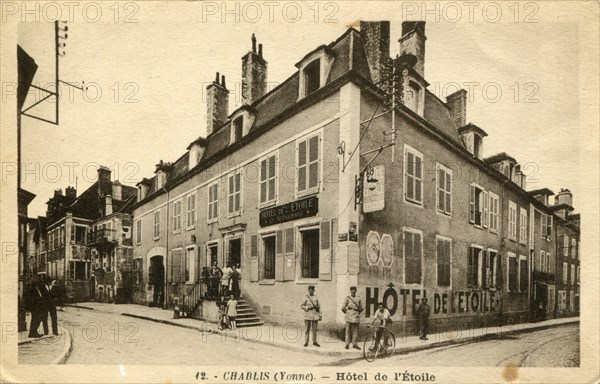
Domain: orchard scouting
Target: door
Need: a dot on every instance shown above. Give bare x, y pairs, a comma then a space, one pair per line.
235, 250
156, 276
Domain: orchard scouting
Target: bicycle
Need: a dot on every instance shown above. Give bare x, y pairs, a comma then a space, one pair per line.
380, 350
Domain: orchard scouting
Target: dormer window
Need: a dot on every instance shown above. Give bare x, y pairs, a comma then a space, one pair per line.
312, 77
238, 126
314, 70
412, 96
195, 152
241, 122
472, 138
478, 146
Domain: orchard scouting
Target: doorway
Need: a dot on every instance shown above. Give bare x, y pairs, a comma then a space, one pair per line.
235, 250
156, 277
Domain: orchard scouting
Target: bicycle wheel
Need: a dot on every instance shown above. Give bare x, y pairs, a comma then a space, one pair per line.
391, 348
367, 353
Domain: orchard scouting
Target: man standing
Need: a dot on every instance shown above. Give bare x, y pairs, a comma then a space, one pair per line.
423, 317
52, 295
352, 308
35, 302
312, 315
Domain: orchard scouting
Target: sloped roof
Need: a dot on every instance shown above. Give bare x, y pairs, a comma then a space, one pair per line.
437, 114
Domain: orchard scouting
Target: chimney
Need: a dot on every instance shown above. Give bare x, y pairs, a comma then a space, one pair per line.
413, 42
104, 184
58, 192
457, 102
564, 197
117, 190
71, 193
254, 74
376, 42
217, 104
108, 208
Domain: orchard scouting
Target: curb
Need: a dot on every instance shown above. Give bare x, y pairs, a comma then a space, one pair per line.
79, 306
66, 352
351, 355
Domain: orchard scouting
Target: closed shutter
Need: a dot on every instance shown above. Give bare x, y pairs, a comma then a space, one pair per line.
289, 259
279, 256
472, 205
484, 219
253, 258
176, 266
325, 253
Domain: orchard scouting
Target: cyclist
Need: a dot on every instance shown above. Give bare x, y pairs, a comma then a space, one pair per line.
384, 319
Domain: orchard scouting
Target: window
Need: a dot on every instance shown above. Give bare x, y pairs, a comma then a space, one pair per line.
156, 224
523, 274
444, 259
138, 231
573, 247
213, 202
269, 257
412, 96
312, 77
477, 145
493, 212
546, 224
523, 226
565, 272
543, 266
476, 205
512, 272
310, 253
572, 275
62, 235
512, 221
308, 165
268, 179
413, 175
191, 210
234, 193
548, 267
190, 265
444, 189
565, 250
490, 270
176, 209
473, 267
238, 128
578, 275
412, 257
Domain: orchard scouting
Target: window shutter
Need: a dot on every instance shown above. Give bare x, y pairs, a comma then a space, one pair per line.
449, 194
409, 176
253, 258
549, 230
472, 205
176, 266
289, 260
485, 217
279, 256
325, 254
302, 165
418, 178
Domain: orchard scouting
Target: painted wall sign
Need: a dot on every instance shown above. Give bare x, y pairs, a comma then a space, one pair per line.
374, 200
291, 211
404, 301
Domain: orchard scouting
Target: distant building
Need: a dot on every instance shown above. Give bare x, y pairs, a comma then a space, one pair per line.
306, 184
85, 240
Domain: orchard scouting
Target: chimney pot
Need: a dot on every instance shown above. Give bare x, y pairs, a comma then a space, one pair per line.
253, 43
260, 50
223, 82
217, 78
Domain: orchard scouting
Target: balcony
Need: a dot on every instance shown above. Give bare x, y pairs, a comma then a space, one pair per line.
102, 236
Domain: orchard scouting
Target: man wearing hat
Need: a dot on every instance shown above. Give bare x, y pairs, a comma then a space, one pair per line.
423, 317
352, 308
312, 315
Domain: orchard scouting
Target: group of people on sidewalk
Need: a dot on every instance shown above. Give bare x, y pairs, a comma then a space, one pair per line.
222, 282
41, 297
352, 308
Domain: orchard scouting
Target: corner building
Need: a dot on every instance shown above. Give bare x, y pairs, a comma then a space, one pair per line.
317, 182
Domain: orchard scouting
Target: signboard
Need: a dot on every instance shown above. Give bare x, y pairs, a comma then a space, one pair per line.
374, 200
291, 211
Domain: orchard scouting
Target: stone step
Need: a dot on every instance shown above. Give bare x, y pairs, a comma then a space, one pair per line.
245, 325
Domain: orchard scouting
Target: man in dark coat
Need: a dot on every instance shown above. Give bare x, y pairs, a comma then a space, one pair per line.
423, 317
52, 295
36, 303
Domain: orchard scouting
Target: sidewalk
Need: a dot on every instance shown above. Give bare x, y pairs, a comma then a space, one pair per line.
291, 336
48, 349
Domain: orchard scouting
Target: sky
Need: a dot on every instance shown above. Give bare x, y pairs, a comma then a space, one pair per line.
147, 65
